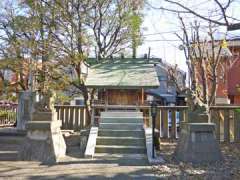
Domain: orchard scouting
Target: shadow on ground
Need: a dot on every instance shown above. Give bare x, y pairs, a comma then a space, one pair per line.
139, 174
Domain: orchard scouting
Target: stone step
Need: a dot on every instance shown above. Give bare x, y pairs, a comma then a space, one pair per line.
12, 132
120, 149
121, 133
121, 114
121, 126
126, 141
8, 155
11, 139
121, 120
109, 155
74, 151
71, 149
122, 159
72, 139
9, 152
9, 147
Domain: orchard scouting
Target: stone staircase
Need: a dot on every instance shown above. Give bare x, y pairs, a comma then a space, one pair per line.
121, 135
10, 142
12, 139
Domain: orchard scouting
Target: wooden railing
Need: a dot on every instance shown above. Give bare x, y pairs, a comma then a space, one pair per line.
8, 114
226, 118
72, 117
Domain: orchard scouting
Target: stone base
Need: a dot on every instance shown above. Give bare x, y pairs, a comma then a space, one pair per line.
197, 144
44, 142
44, 116
194, 117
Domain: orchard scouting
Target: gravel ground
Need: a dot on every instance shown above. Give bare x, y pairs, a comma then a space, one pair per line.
229, 168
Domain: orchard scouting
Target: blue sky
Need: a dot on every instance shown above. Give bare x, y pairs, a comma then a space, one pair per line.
159, 28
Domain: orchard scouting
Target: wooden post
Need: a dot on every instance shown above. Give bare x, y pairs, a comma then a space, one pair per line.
215, 118
76, 123
236, 126
81, 118
62, 115
158, 122
149, 117
186, 111
173, 124
226, 126
58, 112
92, 116
66, 117
71, 112
181, 115
142, 100
164, 118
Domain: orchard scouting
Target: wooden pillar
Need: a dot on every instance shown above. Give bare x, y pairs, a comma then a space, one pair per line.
58, 112
173, 124
164, 118
215, 118
93, 116
181, 116
71, 113
66, 117
62, 114
226, 126
158, 122
149, 117
186, 111
142, 99
236, 126
77, 122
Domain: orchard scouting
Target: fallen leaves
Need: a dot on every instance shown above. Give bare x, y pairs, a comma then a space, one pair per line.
227, 169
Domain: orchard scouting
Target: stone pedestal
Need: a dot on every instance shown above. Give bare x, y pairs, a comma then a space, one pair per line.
197, 143
25, 103
194, 117
44, 141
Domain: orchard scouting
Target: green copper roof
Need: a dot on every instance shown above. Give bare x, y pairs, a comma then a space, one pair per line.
122, 75
93, 61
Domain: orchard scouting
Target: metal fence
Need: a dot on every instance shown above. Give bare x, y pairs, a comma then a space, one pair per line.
8, 113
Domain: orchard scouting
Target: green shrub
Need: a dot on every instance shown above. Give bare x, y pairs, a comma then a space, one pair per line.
6, 114
237, 110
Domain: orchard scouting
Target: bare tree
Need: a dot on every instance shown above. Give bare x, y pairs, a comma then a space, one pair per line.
219, 9
204, 59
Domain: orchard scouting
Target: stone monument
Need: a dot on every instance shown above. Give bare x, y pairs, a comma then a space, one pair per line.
197, 142
44, 141
25, 104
